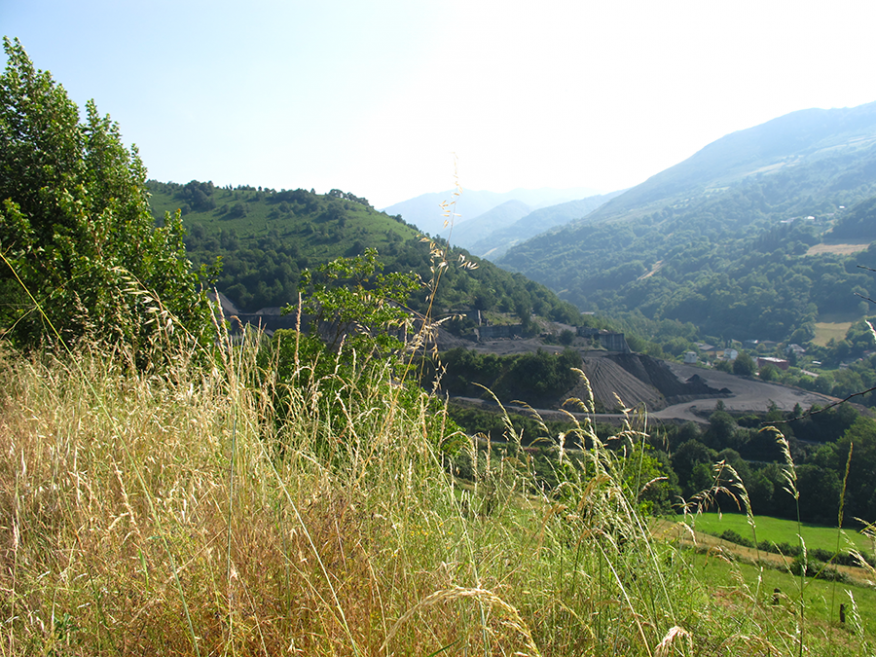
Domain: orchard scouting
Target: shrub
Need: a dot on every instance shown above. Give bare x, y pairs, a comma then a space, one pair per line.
81, 254
734, 537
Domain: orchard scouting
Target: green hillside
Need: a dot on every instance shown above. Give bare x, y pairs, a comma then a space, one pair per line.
730, 259
839, 140
266, 238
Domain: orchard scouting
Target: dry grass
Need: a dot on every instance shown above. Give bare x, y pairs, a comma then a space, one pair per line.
169, 515
827, 331
839, 249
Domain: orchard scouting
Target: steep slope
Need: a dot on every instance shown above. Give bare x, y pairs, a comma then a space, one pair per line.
720, 240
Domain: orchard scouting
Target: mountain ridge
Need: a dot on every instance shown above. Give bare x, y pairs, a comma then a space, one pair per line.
774, 144
722, 239
424, 211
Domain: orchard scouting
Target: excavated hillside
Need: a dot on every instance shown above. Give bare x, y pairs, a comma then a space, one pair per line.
637, 379
670, 392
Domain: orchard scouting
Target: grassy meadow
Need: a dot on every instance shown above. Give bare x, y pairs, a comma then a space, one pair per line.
172, 513
731, 579
827, 331
838, 248
779, 530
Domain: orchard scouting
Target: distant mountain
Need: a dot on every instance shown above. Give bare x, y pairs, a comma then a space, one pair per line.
722, 240
468, 232
793, 140
495, 244
424, 211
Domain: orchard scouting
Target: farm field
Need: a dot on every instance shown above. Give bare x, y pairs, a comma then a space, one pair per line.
839, 249
778, 530
824, 331
822, 598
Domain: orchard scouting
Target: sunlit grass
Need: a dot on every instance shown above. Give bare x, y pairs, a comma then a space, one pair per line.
822, 597
779, 530
172, 514
839, 249
826, 331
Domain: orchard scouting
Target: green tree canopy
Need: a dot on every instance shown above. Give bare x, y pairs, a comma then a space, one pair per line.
81, 255
744, 365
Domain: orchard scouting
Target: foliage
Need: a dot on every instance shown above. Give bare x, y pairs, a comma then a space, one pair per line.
819, 443
354, 342
744, 365
267, 238
858, 223
860, 440
536, 378
732, 262
353, 306
82, 255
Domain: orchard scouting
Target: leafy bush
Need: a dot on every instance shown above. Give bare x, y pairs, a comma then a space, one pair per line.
353, 345
734, 537
539, 377
81, 254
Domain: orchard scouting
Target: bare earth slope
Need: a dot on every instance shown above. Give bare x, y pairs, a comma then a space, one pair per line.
608, 379
745, 394
675, 392
671, 392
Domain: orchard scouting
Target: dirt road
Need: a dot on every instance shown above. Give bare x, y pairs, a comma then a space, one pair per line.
745, 395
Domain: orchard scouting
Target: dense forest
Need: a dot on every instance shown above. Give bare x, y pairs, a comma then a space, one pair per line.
735, 264
819, 445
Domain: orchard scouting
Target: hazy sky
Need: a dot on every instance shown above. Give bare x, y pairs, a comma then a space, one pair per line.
375, 97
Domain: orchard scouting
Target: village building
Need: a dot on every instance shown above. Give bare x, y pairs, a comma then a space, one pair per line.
781, 363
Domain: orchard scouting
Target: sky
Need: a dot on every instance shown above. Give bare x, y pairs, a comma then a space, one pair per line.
393, 99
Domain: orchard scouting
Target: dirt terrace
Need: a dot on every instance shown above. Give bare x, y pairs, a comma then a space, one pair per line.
671, 392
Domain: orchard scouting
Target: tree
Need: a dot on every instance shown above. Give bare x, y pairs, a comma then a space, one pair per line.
355, 307
744, 365
355, 346
769, 372
687, 457
722, 428
81, 254
860, 438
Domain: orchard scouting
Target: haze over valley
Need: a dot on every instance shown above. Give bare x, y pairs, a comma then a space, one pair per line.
613, 392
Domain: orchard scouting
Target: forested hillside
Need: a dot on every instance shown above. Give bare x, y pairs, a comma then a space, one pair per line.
732, 256
266, 238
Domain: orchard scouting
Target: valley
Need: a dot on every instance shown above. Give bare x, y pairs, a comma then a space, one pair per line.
612, 392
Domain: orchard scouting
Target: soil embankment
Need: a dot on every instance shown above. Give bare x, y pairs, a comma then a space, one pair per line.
670, 392
635, 381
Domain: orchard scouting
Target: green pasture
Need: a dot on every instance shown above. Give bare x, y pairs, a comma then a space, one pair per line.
821, 598
825, 331
778, 530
